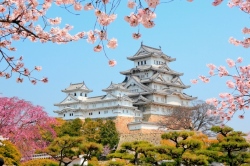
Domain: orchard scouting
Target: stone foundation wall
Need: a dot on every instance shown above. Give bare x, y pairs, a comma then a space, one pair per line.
121, 124
153, 118
154, 138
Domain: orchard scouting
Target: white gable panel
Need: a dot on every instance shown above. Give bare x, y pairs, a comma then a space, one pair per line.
175, 100
68, 99
133, 86
109, 96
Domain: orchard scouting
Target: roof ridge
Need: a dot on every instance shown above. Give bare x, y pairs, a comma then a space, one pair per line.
151, 47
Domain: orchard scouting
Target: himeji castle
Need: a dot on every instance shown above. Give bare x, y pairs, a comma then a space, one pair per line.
149, 91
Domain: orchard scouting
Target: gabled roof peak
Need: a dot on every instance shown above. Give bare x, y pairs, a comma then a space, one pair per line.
77, 87
149, 47
147, 51
114, 86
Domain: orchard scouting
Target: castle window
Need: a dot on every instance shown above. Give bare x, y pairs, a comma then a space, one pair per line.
127, 111
63, 115
74, 94
141, 62
80, 94
138, 63
105, 112
99, 112
145, 62
85, 95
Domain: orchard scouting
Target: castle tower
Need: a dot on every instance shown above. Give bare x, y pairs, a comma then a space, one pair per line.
155, 88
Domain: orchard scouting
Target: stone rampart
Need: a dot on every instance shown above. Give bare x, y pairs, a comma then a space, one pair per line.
154, 138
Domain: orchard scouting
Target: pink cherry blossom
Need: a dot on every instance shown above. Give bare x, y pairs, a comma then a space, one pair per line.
239, 60
45, 80
136, 35
26, 71
245, 30
222, 71
194, 81
78, 6
131, 4
230, 84
223, 95
38, 68
241, 116
105, 19
211, 72
91, 37
98, 48
102, 34
98, 13
153, 3
2, 74
105, 1
19, 80
7, 75
33, 82
2, 9
112, 43
230, 62
234, 41
211, 66
88, 6
204, 79
55, 21
217, 2
112, 63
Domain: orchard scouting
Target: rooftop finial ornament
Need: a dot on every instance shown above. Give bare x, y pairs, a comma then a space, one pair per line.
141, 42
160, 47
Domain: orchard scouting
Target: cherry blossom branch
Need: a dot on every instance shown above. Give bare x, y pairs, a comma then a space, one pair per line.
239, 99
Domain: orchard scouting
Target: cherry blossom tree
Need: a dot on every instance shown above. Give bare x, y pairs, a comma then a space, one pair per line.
24, 124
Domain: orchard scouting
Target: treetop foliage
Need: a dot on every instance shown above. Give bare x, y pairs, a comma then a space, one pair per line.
10, 153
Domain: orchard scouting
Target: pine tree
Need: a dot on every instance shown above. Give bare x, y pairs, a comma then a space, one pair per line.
232, 145
109, 135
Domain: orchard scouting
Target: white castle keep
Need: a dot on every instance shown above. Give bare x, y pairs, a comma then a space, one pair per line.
150, 90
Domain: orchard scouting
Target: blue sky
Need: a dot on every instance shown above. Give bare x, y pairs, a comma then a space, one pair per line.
194, 33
